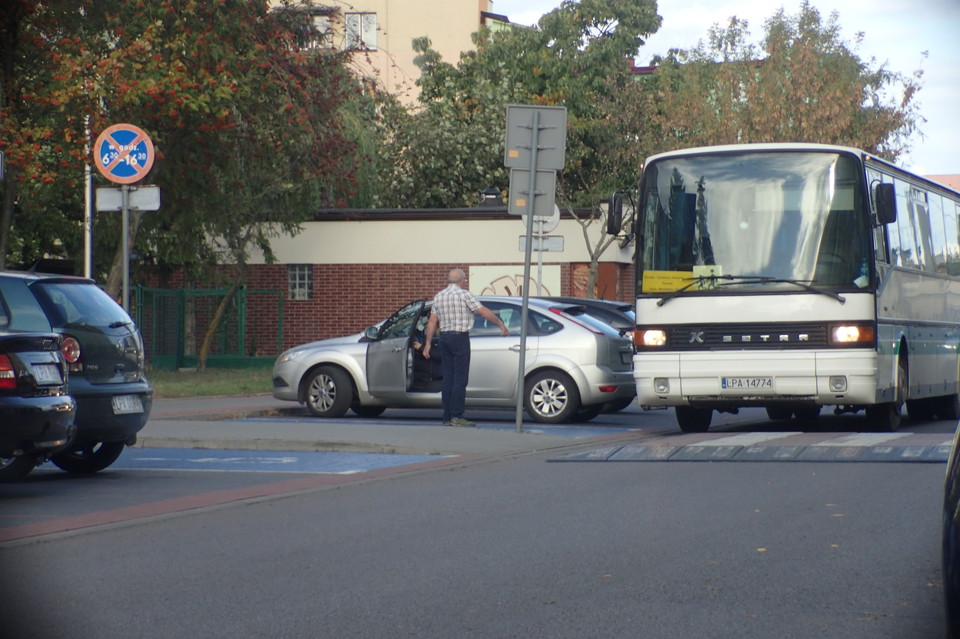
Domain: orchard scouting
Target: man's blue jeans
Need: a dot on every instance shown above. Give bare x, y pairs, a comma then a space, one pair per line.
455, 365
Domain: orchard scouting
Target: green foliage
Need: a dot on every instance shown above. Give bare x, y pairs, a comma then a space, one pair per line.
451, 147
244, 118
802, 83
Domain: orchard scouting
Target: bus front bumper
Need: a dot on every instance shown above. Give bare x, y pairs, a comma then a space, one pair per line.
727, 379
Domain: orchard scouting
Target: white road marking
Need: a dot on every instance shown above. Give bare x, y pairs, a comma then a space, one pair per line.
862, 439
747, 439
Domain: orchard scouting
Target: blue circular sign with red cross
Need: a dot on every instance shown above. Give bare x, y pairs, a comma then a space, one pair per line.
123, 154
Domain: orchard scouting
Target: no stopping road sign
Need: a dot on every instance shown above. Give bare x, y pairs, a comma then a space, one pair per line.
123, 153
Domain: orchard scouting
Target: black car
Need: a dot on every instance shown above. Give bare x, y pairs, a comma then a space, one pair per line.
619, 315
104, 354
951, 540
36, 412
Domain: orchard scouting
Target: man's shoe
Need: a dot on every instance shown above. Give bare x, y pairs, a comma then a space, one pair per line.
460, 421
448, 422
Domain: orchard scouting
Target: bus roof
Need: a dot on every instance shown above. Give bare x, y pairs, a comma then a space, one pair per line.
758, 146
795, 146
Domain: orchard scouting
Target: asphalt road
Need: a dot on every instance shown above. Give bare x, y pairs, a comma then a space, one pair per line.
512, 545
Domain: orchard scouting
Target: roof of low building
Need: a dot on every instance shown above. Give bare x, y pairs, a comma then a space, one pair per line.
952, 181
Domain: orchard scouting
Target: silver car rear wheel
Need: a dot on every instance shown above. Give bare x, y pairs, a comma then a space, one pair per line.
551, 397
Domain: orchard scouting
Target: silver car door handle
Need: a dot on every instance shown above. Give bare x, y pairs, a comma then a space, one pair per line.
516, 349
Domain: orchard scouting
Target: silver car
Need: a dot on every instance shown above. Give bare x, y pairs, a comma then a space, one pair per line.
574, 366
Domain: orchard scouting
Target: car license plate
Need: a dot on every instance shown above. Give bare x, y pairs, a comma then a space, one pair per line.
126, 404
747, 383
47, 374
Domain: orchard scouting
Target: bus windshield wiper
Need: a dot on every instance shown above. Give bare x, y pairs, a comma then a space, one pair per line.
763, 279
750, 279
697, 280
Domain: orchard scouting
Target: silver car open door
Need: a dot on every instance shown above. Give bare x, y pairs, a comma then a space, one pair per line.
390, 356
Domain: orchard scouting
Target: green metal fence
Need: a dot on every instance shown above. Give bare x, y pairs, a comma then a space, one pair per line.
173, 323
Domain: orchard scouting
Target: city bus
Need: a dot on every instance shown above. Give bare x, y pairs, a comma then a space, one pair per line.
792, 277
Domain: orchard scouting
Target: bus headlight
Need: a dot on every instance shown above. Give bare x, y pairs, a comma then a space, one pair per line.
842, 334
652, 337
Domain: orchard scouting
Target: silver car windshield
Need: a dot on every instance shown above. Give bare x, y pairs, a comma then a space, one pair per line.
777, 221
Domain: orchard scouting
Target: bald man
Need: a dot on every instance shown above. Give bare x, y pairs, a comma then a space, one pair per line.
452, 312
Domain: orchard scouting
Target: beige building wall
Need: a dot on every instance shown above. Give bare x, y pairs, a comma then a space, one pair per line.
434, 242
382, 32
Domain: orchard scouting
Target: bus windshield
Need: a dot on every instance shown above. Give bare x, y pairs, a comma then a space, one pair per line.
756, 221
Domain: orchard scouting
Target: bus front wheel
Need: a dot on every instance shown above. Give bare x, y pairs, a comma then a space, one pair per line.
693, 420
886, 417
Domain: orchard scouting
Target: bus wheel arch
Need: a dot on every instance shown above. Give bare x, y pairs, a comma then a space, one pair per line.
886, 417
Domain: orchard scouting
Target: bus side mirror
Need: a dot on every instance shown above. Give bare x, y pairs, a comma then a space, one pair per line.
885, 198
614, 214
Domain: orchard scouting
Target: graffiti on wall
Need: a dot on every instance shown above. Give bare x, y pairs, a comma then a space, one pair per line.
508, 280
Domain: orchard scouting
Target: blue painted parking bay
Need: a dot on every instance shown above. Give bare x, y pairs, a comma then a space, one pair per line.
265, 461
779, 447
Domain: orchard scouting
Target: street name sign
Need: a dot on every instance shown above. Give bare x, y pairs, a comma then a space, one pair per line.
543, 243
139, 198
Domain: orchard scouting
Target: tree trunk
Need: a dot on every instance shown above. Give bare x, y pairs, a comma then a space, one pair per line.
114, 282
9, 197
215, 324
592, 277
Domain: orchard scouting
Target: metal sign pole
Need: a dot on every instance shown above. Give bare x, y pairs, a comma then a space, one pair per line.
531, 196
527, 128
87, 204
540, 223
125, 238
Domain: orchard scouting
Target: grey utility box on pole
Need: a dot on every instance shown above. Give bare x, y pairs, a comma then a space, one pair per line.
551, 137
536, 141
543, 195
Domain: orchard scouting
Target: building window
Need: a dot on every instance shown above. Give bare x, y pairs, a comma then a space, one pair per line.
312, 26
361, 31
300, 281
324, 29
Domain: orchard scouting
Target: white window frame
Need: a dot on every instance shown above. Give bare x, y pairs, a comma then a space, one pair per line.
300, 281
361, 30
324, 28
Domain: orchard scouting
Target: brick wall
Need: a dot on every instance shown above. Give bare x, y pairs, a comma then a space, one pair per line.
346, 298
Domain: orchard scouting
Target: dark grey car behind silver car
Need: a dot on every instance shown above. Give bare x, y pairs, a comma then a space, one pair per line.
104, 354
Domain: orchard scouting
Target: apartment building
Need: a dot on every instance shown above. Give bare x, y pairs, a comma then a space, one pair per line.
380, 33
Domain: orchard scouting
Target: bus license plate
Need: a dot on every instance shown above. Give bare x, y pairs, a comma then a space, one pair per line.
126, 404
747, 383
47, 374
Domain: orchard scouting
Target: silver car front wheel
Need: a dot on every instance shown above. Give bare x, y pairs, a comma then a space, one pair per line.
328, 392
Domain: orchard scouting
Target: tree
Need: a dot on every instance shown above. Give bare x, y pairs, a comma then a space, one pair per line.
451, 147
448, 150
41, 139
192, 75
243, 111
803, 83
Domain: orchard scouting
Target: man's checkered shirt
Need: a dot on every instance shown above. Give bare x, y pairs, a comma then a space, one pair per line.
454, 307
